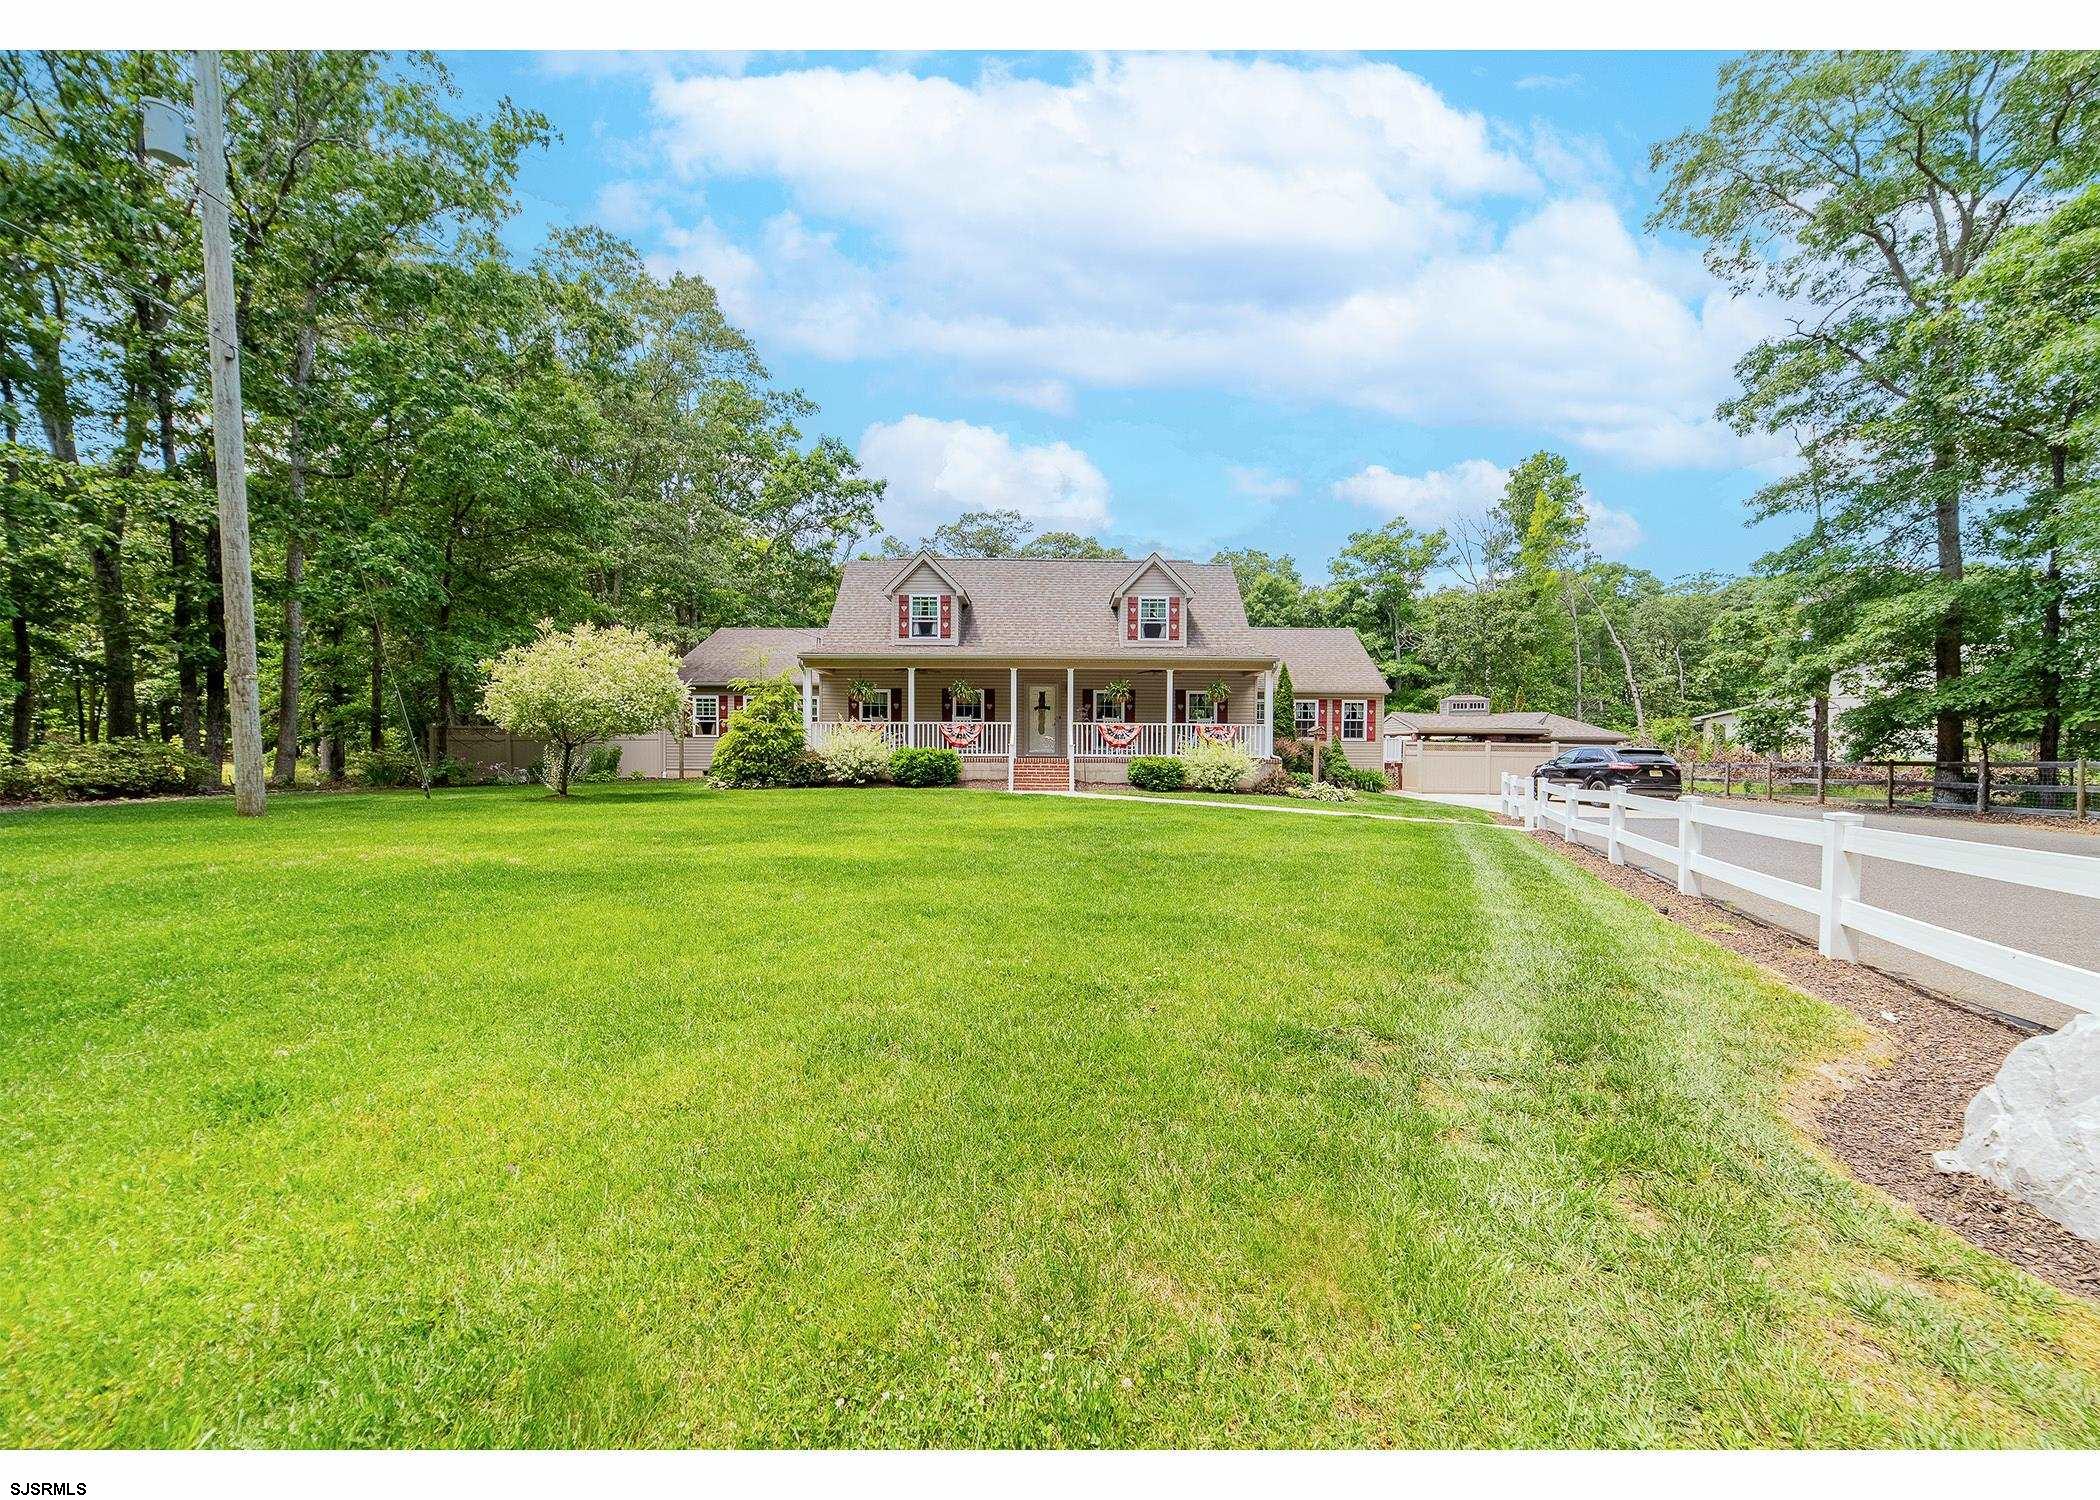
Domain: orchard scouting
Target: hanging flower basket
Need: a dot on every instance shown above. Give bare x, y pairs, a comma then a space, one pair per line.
964, 695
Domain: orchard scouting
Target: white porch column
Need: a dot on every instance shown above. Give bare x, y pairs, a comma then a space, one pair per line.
1013, 722
809, 706
1071, 761
1169, 731
911, 704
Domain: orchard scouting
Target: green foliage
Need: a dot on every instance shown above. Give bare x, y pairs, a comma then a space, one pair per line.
385, 767
59, 771
1322, 791
764, 743
1214, 766
576, 687
1335, 770
1157, 773
855, 756
924, 765
1283, 713
603, 764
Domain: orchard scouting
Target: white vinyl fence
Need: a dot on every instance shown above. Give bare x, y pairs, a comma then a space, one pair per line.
1834, 900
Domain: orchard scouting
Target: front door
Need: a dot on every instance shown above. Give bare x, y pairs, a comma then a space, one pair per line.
1041, 717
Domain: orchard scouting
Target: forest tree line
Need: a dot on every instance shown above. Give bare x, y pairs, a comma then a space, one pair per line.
448, 442
451, 441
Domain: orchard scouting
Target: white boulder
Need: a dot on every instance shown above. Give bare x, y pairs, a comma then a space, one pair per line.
2035, 1132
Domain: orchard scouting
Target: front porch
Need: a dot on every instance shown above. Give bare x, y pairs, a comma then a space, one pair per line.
996, 715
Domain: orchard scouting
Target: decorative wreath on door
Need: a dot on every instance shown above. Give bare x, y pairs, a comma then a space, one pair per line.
1118, 736
962, 736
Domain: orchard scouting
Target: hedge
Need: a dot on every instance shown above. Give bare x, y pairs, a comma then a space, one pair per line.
925, 766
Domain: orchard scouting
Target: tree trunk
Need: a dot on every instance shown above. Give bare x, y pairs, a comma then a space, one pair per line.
1821, 730
375, 729
1575, 633
335, 700
181, 587
1949, 746
1633, 685
561, 770
113, 617
215, 707
294, 560
2049, 743
18, 731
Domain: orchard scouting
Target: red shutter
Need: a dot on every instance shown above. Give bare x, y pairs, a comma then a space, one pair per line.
852, 710
1130, 617
1173, 617
946, 601
1086, 704
947, 704
990, 698
903, 616
1334, 721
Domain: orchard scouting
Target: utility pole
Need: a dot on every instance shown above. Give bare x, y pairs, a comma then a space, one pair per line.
229, 440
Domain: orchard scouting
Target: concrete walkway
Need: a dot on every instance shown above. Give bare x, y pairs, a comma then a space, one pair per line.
2056, 926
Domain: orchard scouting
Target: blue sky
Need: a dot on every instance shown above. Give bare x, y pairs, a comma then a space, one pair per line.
1191, 300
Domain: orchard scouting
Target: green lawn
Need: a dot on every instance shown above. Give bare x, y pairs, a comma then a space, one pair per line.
666, 1116
1369, 804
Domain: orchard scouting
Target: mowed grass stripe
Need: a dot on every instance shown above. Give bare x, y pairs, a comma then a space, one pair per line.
886, 1117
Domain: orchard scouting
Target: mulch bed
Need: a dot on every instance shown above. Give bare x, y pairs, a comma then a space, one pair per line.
1885, 1123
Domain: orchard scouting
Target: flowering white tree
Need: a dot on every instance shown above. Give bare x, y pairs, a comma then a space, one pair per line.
574, 688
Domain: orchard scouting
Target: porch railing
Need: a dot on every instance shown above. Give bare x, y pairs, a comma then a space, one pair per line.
1117, 741
964, 736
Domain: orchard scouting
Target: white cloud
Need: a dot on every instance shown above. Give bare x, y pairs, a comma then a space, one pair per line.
1464, 493
1550, 81
1336, 232
1052, 396
937, 469
1260, 484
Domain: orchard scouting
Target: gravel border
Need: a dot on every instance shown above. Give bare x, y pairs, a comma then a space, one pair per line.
1884, 1121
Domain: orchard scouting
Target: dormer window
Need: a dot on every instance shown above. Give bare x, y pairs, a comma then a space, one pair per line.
1152, 617
925, 616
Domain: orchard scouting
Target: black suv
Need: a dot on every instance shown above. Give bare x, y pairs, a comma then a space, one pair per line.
1594, 768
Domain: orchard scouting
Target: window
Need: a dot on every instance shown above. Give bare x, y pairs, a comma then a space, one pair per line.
1356, 719
707, 714
1200, 709
1305, 715
925, 616
1152, 617
875, 708
969, 712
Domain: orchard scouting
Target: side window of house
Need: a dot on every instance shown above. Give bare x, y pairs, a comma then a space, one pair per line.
707, 714
1305, 714
925, 616
1152, 617
1355, 718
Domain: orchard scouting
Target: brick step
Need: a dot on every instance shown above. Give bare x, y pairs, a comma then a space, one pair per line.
1039, 773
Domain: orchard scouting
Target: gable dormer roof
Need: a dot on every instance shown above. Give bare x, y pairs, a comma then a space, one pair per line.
925, 559
1152, 560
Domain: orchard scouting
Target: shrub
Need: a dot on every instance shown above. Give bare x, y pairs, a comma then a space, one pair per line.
386, 768
1323, 791
763, 744
64, 772
806, 769
573, 688
1296, 754
1339, 772
1210, 766
1283, 713
604, 764
855, 756
1157, 773
926, 766
1273, 782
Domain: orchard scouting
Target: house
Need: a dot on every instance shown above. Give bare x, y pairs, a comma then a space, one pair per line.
1465, 747
1011, 662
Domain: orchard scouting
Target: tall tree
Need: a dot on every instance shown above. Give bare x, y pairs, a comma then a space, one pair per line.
1869, 186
